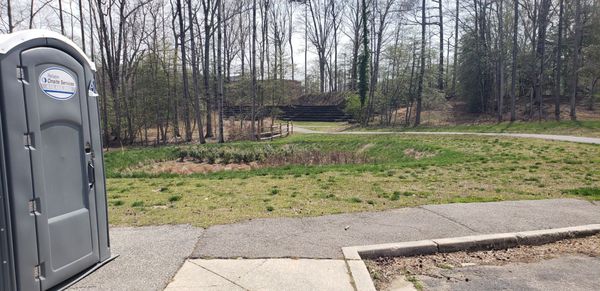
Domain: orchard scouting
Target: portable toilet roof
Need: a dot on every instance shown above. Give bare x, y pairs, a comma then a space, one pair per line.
12, 40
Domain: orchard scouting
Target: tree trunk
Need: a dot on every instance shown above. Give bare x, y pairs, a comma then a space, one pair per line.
290, 34
422, 68
220, 69
592, 105
195, 75
254, 69
501, 60
558, 69
441, 63
455, 61
60, 17
305, 48
81, 26
186, 88
540, 55
576, 59
515, 48
9, 15
206, 66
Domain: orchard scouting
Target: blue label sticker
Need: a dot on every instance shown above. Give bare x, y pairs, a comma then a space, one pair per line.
57, 83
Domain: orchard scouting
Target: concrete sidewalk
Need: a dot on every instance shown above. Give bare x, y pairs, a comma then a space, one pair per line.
151, 256
263, 274
323, 237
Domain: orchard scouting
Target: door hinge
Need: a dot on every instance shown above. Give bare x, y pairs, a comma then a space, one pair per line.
28, 141
37, 272
34, 207
20, 73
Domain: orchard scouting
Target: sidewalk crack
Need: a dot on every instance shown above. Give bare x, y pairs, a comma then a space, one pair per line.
450, 219
227, 279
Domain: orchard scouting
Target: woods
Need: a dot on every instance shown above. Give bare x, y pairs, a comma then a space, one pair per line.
172, 70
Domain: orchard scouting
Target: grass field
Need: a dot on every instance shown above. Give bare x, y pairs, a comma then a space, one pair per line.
397, 171
589, 128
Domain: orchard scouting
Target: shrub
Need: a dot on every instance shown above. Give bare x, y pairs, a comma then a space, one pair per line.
352, 107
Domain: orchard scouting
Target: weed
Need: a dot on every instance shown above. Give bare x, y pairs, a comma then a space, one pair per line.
117, 202
174, 198
355, 200
137, 204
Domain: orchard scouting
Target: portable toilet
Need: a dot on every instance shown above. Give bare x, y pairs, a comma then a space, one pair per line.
53, 210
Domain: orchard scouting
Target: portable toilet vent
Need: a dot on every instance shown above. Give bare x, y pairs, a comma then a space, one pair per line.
53, 213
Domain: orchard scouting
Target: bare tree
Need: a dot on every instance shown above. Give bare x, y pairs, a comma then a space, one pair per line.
440, 77
515, 49
81, 23
254, 93
220, 68
381, 13
576, 58
60, 16
558, 65
422, 66
455, 57
9, 15
500, 60
319, 33
193, 48
540, 54
209, 13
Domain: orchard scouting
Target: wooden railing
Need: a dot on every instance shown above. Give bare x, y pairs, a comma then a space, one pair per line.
277, 130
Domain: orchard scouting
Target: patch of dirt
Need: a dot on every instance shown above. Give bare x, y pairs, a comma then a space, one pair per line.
417, 155
385, 270
188, 167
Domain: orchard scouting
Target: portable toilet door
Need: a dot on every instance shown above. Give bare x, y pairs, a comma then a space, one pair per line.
53, 177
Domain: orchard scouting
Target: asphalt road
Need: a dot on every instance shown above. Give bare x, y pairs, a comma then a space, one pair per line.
148, 258
563, 273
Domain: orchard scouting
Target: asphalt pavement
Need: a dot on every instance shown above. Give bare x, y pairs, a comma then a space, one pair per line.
148, 258
151, 256
563, 273
324, 236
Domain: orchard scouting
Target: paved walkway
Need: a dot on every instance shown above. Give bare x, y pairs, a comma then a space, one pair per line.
323, 237
568, 138
562, 273
263, 274
151, 256
218, 263
148, 258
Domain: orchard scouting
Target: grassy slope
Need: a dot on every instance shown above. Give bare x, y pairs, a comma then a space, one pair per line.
590, 128
464, 169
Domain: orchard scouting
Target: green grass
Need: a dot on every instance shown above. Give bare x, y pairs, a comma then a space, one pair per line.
591, 192
457, 169
322, 126
590, 128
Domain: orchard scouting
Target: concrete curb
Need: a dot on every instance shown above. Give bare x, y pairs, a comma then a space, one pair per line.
354, 255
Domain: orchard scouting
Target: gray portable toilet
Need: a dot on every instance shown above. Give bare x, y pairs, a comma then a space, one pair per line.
53, 211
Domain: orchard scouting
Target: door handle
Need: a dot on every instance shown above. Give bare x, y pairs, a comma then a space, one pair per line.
91, 174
